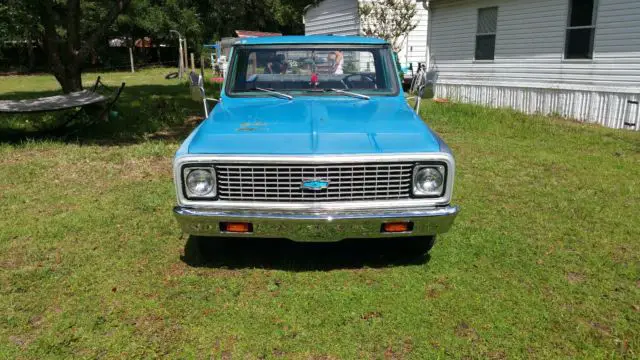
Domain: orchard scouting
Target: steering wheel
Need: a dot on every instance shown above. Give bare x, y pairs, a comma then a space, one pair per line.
347, 82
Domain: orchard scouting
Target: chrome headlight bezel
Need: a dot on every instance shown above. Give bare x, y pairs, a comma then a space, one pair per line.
440, 191
188, 194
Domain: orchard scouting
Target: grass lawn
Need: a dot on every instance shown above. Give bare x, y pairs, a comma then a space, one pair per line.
149, 106
543, 262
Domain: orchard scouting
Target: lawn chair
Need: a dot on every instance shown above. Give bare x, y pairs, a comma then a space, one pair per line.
75, 100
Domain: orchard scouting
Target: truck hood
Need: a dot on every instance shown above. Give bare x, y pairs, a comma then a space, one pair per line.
312, 125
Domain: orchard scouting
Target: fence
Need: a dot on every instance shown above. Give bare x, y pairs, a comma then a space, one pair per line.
16, 58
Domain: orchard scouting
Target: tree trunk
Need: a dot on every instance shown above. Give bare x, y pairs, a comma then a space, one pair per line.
64, 66
69, 77
65, 54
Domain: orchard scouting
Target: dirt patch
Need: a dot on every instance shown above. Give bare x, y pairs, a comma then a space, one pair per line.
25, 156
13, 261
176, 270
223, 348
398, 351
433, 291
575, 278
36, 321
159, 332
218, 273
602, 329
496, 355
99, 174
464, 330
21, 341
147, 168
371, 315
278, 353
15, 257
623, 254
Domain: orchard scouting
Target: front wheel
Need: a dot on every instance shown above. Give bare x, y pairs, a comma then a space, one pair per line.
418, 244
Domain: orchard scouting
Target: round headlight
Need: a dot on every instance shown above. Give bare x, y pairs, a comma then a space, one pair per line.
200, 182
428, 181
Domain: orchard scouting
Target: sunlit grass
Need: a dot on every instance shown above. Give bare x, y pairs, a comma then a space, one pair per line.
150, 103
543, 262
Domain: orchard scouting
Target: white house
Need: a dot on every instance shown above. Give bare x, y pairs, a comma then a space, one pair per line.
340, 17
575, 58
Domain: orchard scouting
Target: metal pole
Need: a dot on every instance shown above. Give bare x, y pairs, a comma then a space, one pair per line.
180, 60
133, 69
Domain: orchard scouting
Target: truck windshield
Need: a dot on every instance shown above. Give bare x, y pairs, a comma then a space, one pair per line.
312, 70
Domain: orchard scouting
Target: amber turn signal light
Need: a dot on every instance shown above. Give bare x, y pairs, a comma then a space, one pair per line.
397, 227
236, 227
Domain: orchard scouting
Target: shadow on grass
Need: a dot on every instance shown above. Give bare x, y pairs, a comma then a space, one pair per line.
282, 254
143, 112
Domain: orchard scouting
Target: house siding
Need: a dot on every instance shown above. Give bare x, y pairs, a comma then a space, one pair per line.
340, 17
529, 72
415, 49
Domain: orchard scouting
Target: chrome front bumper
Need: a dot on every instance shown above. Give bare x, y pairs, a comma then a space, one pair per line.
316, 227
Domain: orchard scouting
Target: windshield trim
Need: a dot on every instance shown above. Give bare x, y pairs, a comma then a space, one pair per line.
299, 93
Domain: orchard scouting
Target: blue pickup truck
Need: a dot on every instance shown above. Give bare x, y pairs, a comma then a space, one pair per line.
313, 140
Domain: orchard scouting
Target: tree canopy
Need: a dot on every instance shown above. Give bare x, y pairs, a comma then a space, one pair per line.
69, 31
391, 20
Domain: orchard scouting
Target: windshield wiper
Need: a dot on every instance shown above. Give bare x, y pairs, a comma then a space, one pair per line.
274, 93
349, 93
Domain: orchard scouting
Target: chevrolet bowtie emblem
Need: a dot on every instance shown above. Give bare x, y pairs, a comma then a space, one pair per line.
315, 184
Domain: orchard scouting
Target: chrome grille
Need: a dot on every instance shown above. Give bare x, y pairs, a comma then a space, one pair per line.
377, 181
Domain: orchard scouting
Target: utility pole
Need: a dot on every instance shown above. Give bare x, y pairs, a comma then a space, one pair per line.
180, 54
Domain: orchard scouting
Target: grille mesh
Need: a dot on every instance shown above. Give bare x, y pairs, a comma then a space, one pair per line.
378, 181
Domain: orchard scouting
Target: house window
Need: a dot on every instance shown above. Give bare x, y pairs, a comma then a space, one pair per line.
486, 33
581, 29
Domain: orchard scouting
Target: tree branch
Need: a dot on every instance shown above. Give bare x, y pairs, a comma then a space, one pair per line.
391, 20
51, 40
114, 12
73, 28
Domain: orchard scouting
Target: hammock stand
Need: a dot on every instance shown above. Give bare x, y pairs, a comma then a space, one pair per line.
75, 100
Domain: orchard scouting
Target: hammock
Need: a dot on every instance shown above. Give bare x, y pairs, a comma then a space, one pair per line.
52, 103
61, 102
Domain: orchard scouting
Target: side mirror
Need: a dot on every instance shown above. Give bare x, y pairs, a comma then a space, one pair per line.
197, 92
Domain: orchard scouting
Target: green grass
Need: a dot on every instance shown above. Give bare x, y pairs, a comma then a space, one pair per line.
543, 262
148, 107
